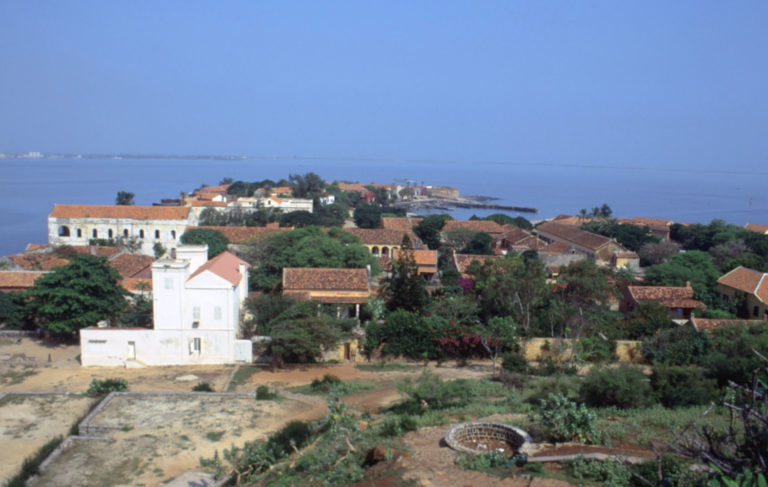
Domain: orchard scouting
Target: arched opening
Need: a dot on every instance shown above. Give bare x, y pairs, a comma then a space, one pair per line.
157, 233
173, 234
385, 252
63, 231
125, 233
141, 233
110, 233
375, 251
95, 233
79, 233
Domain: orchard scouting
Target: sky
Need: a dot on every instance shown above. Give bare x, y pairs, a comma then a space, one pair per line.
652, 84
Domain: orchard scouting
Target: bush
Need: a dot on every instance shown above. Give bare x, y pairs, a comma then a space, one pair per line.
514, 362
564, 420
565, 385
398, 425
732, 357
434, 392
548, 367
674, 471
203, 387
326, 384
295, 434
677, 346
677, 386
609, 473
596, 349
624, 387
264, 394
99, 387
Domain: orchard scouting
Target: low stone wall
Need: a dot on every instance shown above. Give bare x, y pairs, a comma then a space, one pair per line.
17, 333
478, 431
561, 349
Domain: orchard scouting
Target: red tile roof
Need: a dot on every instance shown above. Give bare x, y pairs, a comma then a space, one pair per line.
241, 235
121, 211
556, 248
671, 297
137, 284
462, 261
573, 235
487, 226
129, 265
44, 262
757, 228
19, 280
380, 236
224, 265
324, 279
400, 224
424, 258
706, 324
281, 190
748, 281
97, 250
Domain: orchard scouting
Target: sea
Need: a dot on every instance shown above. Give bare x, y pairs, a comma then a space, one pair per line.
30, 187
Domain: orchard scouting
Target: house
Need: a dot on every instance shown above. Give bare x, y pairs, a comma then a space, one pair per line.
592, 245
757, 228
749, 286
383, 243
517, 239
487, 226
658, 227
404, 225
462, 261
425, 259
197, 309
287, 205
679, 300
17, 281
626, 259
705, 324
239, 237
77, 224
328, 286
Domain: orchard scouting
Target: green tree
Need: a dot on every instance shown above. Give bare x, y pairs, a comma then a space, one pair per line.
428, 229
368, 216
13, 310
405, 289
211, 217
498, 335
307, 185
77, 295
480, 244
158, 249
581, 297
647, 320
124, 198
216, 241
693, 266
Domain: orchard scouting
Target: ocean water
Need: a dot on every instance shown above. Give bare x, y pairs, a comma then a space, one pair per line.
30, 187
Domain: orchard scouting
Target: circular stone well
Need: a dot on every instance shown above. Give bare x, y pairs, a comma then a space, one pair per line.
481, 437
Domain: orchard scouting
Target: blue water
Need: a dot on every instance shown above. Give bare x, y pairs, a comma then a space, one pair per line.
30, 187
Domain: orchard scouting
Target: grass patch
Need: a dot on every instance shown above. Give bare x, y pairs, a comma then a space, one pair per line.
241, 376
17, 376
386, 367
31, 465
330, 384
214, 435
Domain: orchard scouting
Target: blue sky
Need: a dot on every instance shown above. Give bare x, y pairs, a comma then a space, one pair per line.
629, 84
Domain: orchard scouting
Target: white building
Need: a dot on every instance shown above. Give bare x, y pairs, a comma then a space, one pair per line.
288, 205
197, 315
77, 224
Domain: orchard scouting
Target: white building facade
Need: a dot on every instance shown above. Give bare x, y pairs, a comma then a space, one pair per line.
78, 224
197, 309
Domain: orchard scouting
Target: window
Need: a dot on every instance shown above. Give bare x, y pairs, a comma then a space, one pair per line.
110, 234
217, 312
95, 233
196, 312
125, 233
755, 311
157, 233
79, 233
63, 231
173, 234
168, 283
195, 346
141, 233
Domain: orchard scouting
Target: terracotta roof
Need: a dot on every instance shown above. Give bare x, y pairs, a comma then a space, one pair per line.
19, 279
36, 247
137, 284
281, 190
353, 187
129, 265
757, 228
275, 199
706, 324
121, 211
671, 297
381, 236
748, 281
653, 223
487, 226
221, 189
325, 279
514, 234
224, 265
556, 248
462, 261
241, 235
400, 224
574, 235
97, 250
423, 258
574, 221
197, 203
44, 262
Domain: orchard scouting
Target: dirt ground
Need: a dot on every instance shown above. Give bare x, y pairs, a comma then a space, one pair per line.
163, 436
27, 422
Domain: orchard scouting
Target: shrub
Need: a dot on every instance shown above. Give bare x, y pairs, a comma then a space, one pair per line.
565, 385
203, 387
623, 387
596, 349
675, 471
514, 362
434, 392
548, 367
295, 434
564, 420
609, 473
677, 346
99, 387
732, 357
326, 384
676, 386
485, 461
398, 425
264, 394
